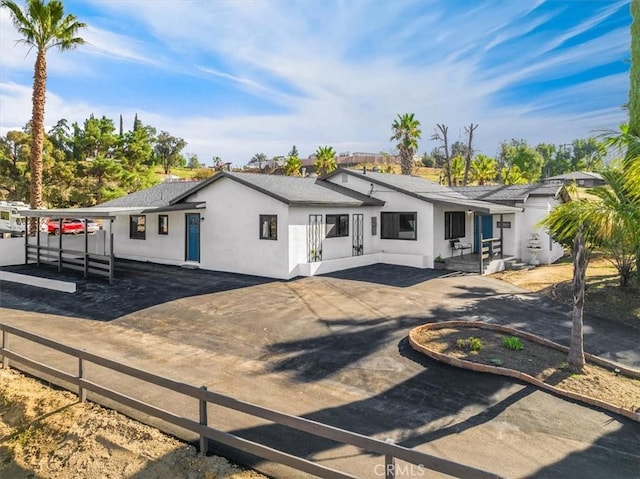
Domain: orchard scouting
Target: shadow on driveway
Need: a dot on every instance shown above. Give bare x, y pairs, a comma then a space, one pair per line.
136, 286
391, 275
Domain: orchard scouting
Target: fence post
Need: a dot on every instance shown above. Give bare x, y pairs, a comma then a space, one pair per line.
82, 393
389, 463
204, 443
5, 344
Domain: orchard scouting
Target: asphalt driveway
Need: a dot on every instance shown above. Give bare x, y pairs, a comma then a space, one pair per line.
333, 349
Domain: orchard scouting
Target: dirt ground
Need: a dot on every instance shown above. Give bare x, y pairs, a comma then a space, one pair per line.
47, 433
544, 363
603, 296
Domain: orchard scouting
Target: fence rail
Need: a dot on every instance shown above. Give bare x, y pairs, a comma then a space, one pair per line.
389, 451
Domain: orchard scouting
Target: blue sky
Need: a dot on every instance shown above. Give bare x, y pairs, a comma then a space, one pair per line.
237, 78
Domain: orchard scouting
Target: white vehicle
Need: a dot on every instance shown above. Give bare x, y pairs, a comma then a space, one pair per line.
11, 221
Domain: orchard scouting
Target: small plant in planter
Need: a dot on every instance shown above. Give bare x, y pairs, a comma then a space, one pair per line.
438, 262
513, 343
470, 344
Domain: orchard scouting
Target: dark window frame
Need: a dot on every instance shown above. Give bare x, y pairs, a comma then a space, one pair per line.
272, 228
163, 230
455, 229
397, 218
138, 229
340, 225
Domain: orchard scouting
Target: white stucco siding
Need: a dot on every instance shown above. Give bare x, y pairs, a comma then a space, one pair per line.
509, 235
156, 248
535, 209
332, 247
442, 246
230, 232
398, 203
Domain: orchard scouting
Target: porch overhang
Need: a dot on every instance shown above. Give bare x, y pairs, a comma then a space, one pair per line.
97, 212
482, 207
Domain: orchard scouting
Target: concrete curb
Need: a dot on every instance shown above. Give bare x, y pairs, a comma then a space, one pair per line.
54, 284
486, 368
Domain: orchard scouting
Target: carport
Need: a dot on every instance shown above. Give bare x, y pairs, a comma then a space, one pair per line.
99, 261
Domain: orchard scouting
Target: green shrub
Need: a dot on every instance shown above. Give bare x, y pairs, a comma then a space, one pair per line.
471, 344
513, 343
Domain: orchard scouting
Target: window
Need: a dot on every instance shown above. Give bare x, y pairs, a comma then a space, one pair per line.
374, 225
401, 226
4, 215
137, 226
163, 224
454, 223
269, 227
337, 226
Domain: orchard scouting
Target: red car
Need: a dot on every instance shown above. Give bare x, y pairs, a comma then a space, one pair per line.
68, 226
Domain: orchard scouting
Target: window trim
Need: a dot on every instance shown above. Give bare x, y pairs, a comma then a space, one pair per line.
162, 231
398, 213
448, 230
336, 232
272, 234
137, 235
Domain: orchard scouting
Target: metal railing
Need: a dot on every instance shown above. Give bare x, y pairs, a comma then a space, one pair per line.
389, 451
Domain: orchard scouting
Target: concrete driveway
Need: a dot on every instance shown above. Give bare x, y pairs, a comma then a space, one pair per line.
333, 349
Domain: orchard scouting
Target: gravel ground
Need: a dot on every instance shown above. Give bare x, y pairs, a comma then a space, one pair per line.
46, 433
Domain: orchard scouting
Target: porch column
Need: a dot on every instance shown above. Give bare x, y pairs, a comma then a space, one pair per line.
501, 236
480, 243
111, 260
26, 240
38, 243
86, 250
59, 245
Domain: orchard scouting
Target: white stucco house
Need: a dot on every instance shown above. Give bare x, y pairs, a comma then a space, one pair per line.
283, 227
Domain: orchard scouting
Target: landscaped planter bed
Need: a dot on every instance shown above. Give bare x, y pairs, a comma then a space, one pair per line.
540, 362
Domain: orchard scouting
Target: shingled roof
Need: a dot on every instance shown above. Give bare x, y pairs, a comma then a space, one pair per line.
290, 190
512, 194
160, 195
426, 190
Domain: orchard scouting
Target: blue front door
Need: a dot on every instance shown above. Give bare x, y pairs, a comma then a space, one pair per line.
193, 237
487, 230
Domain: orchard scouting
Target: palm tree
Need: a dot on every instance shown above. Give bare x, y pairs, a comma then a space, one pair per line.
568, 224
43, 26
456, 171
512, 175
292, 166
325, 160
483, 169
406, 130
612, 223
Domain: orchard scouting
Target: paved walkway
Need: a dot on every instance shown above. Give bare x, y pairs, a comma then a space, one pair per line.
333, 349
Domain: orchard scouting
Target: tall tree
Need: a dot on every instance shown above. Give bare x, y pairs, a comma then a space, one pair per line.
467, 159
293, 152
167, 150
441, 134
406, 131
42, 26
588, 154
527, 159
325, 160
